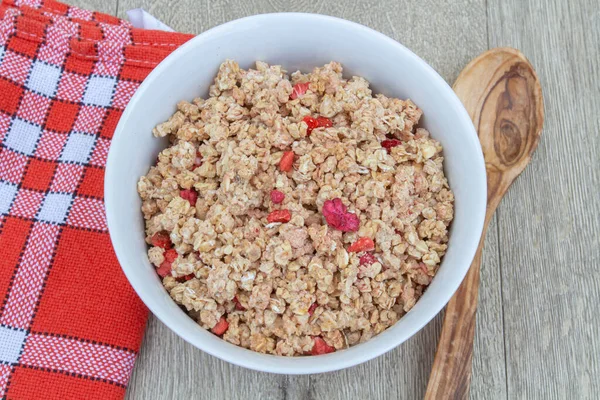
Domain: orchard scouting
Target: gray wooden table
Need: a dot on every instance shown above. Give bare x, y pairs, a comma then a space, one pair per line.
538, 323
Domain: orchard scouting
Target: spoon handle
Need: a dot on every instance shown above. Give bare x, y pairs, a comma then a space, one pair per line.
502, 94
451, 373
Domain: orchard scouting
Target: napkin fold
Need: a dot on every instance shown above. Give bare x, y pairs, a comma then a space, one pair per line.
70, 324
140, 18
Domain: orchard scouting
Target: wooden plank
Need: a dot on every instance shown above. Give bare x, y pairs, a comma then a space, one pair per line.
169, 368
489, 370
548, 223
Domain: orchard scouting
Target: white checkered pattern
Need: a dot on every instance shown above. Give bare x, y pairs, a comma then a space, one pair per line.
99, 91
55, 208
43, 78
22, 136
12, 342
7, 194
78, 148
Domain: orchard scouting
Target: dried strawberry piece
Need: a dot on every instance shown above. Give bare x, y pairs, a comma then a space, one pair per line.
170, 255
190, 195
311, 124
221, 327
161, 239
389, 143
337, 216
321, 347
277, 196
287, 161
362, 244
299, 89
312, 308
165, 268
279, 216
350, 223
367, 259
238, 305
324, 122
333, 210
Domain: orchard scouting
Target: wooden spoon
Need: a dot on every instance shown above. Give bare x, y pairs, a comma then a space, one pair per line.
503, 96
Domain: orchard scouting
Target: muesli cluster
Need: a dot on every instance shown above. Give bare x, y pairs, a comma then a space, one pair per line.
296, 215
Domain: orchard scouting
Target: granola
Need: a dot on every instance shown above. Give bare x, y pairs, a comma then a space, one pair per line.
296, 214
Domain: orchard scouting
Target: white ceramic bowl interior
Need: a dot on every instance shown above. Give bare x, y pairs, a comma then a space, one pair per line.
296, 41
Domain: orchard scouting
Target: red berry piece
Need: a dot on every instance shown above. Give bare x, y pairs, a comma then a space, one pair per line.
350, 223
238, 305
337, 216
221, 327
287, 161
321, 347
298, 90
161, 239
389, 143
362, 244
190, 195
165, 268
277, 196
311, 124
367, 259
312, 308
279, 216
324, 122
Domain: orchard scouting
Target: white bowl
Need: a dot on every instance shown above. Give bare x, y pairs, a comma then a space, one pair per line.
296, 41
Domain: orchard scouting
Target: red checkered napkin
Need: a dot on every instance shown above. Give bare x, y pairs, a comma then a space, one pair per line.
70, 324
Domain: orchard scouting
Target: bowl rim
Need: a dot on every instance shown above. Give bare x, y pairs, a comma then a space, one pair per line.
298, 365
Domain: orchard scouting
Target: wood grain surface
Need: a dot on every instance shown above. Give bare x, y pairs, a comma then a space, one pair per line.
538, 320
502, 94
